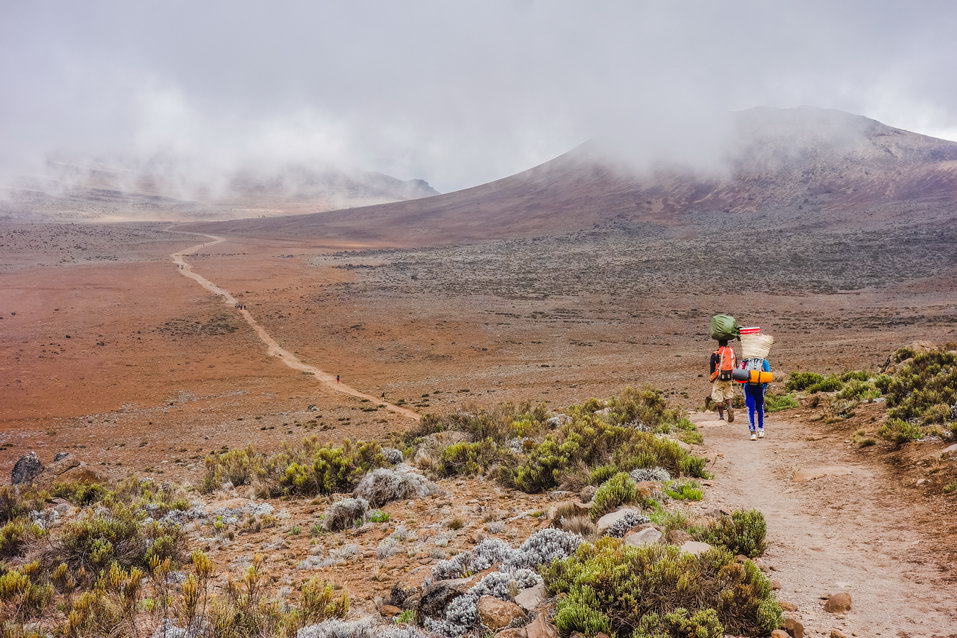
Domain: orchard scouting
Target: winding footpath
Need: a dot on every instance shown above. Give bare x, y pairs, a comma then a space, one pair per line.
835, 523
273, 348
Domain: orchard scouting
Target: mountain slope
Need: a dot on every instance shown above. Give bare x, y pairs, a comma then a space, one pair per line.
822, 165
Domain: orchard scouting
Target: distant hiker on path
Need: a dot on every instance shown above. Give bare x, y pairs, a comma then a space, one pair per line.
722, 391
754, 396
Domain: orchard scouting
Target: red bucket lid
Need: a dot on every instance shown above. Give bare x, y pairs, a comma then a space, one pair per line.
753, 330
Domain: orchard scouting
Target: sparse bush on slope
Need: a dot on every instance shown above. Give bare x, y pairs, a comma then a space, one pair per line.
741, 532
658, 590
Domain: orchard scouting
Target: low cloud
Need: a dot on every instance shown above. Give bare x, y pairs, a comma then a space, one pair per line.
457, 93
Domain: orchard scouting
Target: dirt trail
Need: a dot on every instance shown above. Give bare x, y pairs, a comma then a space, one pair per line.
272, 347
834, 525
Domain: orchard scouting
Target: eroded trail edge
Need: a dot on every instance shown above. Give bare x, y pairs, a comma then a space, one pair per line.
273, 348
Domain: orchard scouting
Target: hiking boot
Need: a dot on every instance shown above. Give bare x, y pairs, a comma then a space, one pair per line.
760, 434
721, 414
754, 437
730, 413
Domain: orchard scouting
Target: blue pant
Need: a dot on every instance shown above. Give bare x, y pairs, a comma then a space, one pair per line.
754, 399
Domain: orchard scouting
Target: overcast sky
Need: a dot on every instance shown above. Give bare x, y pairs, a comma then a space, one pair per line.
455, 92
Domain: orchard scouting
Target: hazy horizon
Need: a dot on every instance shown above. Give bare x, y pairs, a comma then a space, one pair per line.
456, 94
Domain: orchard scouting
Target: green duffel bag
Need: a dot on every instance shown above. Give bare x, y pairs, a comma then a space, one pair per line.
724, 327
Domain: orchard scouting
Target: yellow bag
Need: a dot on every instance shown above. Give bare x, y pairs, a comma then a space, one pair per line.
760, 376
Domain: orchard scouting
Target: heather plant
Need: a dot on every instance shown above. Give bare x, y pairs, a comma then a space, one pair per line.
801, 381
658, 590
923, 388
779, 402
470, 459
626, 523
644, 408
659, 474
345, 514
899, 432
16, 535
19, 500
684, 490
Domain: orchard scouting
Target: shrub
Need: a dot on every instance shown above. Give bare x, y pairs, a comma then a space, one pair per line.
658, 474
617, 490
15, 535
611, 587
684, 491
899, 432
469, 459
120, 535
924, 388
383, 486
499, 424
80, 493
830, 383
858, 390
21, 597
309, 468
19, 500
741, 532
778, 402
109, 608
602, 473
345, 513
645, 408
378, 516
800, 381
588, 442
856, 375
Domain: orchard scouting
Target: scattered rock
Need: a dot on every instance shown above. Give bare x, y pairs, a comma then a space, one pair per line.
587, 493
498, 614
794, 627
512, 633
809, 474
649, 490
647, 536
838, 603
837, 634
389, 611
529, 599
541, 628
26, 469
678, 537
775, 585
62, 455
312, 408
950, 449
611, 518
437, 596
786, 606
779, 633
695, 547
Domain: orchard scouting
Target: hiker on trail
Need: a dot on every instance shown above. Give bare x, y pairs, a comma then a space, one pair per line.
337, 378
722, 391
754, 396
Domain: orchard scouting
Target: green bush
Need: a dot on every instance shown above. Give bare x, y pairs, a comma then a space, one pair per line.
500, 424
684, 490
19, 500
658, 590
120, 535
830, 383
309, 468
15, 535
81, 493
857, 390
778, 402
470, 459
588, 442
899, 432
741, 532
617, 490
856, 375
21, 596
800, 381
602, 473
646, 407
924, 388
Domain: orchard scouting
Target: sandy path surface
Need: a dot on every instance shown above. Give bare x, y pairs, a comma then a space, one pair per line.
834, 525
272, 347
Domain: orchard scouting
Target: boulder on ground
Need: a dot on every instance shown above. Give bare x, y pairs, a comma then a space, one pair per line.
611, 518
779, 633
529, 599
695, 547
436, 597
27, 468
647, 536
793, 626
541, 628
838, 603
515, 632
498, 614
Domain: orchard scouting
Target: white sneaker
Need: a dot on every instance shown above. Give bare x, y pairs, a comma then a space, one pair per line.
754, 437
760, 434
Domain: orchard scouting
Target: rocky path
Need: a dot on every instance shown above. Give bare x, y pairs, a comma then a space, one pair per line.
834, 525
272, 347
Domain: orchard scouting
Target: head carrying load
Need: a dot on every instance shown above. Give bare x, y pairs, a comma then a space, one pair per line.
724, 327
